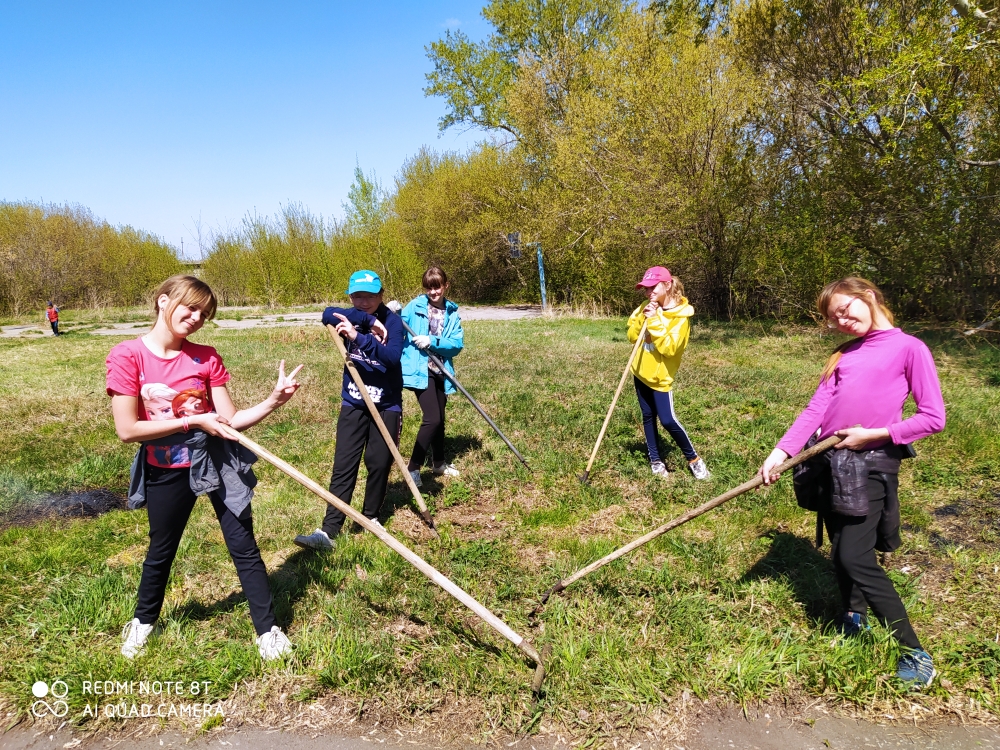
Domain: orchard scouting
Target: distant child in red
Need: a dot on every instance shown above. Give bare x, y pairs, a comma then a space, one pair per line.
52, 313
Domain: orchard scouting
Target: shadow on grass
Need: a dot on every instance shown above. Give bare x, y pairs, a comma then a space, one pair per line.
457, 446
398, 494
288, 583
808, 573
197, 611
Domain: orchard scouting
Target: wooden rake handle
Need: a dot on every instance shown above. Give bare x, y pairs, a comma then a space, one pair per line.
614, 401
795, 460
400, 462
405, 552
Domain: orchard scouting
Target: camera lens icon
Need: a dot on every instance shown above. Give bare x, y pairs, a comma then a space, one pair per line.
58, 690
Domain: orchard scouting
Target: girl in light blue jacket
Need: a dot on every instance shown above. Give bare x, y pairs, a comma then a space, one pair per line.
438, 331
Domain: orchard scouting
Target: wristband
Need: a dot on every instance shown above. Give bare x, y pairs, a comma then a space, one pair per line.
185, 425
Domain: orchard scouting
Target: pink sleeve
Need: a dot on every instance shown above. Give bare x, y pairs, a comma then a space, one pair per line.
122, 372
810, 420
217, 372
921, 374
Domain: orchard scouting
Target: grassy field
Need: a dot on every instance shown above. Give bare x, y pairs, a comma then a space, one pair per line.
734, 607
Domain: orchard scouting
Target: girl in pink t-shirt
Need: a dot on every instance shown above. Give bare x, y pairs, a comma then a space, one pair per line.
860, 398
160, 385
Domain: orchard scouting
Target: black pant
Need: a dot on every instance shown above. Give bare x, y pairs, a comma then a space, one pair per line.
432, 400
357, 433
169, 503
863, 582
55, 327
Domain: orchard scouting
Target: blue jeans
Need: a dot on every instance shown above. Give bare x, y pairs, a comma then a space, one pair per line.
660, 404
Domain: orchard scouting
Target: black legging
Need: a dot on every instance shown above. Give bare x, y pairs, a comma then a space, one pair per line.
863, 582
169, 502
432, 400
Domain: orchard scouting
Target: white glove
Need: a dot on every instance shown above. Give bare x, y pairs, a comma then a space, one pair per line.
421, 342
394, 305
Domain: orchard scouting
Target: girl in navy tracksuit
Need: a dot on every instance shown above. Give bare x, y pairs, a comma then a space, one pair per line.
437, 330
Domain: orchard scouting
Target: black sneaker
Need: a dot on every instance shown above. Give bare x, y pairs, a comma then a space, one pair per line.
852, 624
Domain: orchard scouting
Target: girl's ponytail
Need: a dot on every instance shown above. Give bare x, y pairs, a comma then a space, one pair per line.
831, 363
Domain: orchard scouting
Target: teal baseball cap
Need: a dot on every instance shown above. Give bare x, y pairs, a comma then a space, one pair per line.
364, 281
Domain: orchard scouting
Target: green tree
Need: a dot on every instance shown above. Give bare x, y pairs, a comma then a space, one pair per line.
879, 116
475, 78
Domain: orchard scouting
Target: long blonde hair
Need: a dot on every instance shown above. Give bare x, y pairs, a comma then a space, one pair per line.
853, 286
185, 290
676, 289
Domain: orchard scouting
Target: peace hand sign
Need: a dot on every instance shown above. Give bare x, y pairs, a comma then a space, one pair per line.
287, 385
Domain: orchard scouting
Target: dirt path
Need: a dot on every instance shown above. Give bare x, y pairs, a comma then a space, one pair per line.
485, 312
817, 729
813, 729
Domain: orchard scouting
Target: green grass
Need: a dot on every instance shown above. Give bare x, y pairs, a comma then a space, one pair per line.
734, 606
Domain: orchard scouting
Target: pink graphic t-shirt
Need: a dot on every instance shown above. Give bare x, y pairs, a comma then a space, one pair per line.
166, 388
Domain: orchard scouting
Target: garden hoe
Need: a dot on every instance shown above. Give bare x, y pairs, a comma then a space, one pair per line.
400, 462
621, 384
795, 460
405, 552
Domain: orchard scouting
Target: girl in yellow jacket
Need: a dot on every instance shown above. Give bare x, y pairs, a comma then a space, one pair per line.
654, 367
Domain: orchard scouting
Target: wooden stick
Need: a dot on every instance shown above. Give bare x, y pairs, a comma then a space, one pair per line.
621, 384
405, 552
475, 404
400, 462
795, 460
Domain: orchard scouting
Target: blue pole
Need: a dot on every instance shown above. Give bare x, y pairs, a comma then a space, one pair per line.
541, 274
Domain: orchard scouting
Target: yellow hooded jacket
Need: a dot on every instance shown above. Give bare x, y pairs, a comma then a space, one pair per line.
657, 361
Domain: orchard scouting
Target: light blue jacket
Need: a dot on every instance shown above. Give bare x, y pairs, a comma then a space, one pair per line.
447, 345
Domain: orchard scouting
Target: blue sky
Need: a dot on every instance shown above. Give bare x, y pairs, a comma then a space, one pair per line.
156, 114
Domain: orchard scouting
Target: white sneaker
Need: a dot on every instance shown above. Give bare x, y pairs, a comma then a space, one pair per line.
659, 469
274, 644
134, 636
446, 470
699, 469
375, 522
318, 540
415, 476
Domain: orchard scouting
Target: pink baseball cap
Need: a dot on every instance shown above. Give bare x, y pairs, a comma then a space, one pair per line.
654, 276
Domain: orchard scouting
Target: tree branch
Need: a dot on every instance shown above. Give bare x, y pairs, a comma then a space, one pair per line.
973, 163
966, 9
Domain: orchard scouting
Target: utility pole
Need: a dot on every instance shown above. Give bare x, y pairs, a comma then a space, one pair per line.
541, 274
514, 240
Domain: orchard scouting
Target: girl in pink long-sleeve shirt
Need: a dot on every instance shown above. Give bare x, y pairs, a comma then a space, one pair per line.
860, 398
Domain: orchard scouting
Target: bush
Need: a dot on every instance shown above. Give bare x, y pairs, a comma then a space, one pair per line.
67, 255
298, 257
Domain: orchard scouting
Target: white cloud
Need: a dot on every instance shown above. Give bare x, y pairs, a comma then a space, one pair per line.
451, 23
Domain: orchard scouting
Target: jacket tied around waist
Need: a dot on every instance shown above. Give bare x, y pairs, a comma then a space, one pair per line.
840, 481
217, 465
